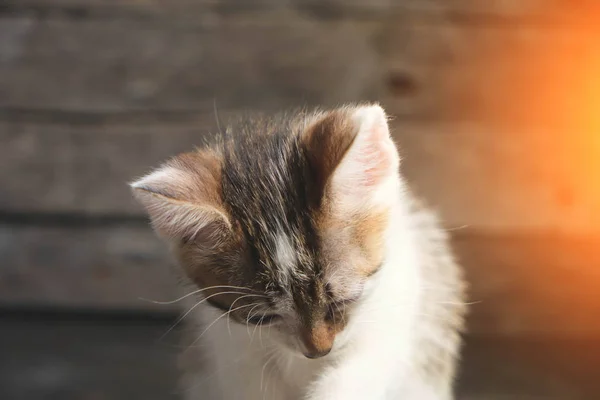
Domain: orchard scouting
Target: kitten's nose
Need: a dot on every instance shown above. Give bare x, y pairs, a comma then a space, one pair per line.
312, 356
317, 340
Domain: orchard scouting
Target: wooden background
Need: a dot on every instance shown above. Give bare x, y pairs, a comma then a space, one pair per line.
495, 113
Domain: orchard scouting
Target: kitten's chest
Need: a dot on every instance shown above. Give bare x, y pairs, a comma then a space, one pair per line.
270, 376
255, 369
298, 374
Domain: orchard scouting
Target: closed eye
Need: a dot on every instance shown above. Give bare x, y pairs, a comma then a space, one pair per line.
263, 319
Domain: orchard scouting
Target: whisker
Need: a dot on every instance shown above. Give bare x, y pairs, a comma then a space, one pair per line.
456, 228
196, 305
273, 367
254, 305
248, 317
231, 306
256, 326
191, 294
460, 303
262, 372
260, 330
215, 321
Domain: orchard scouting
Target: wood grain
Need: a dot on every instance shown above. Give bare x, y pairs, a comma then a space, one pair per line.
505, 179
82, 168
115, 65
325, 8
502, 76
435, 68
532, 284
108, 267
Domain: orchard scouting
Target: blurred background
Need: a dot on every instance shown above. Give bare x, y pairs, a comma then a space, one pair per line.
496, 107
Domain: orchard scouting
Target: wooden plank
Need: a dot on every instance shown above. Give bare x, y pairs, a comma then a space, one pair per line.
109, 267
325, 8
115, 65
505, 179
83, 168
532, 284
532, 10
498, 75
437, 68
522, 284
490, 179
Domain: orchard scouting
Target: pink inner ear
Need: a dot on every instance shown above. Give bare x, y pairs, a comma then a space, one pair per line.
375, 154
371, 159
181, 199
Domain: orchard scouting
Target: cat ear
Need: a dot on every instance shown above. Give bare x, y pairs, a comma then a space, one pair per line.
182, 198
368, 172
355, 157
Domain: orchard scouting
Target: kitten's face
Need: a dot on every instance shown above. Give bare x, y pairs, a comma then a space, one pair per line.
283, 223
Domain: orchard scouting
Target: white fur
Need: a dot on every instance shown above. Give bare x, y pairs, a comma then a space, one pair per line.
285, 255
373, 358
378, 355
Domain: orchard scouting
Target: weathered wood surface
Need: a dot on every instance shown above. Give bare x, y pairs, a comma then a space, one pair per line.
477, 176
526, 284
433, 68
83, 168
499, 75
109, 267
325, 8
501, 180
118, 65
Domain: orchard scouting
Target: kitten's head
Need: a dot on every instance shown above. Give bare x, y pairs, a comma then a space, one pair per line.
283, 221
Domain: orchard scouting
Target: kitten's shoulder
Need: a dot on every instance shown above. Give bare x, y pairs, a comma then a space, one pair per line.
443, 308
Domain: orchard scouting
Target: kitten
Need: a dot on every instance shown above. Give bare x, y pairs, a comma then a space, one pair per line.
318, 275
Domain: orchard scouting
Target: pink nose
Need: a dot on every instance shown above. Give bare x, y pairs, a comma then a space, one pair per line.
317, 340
